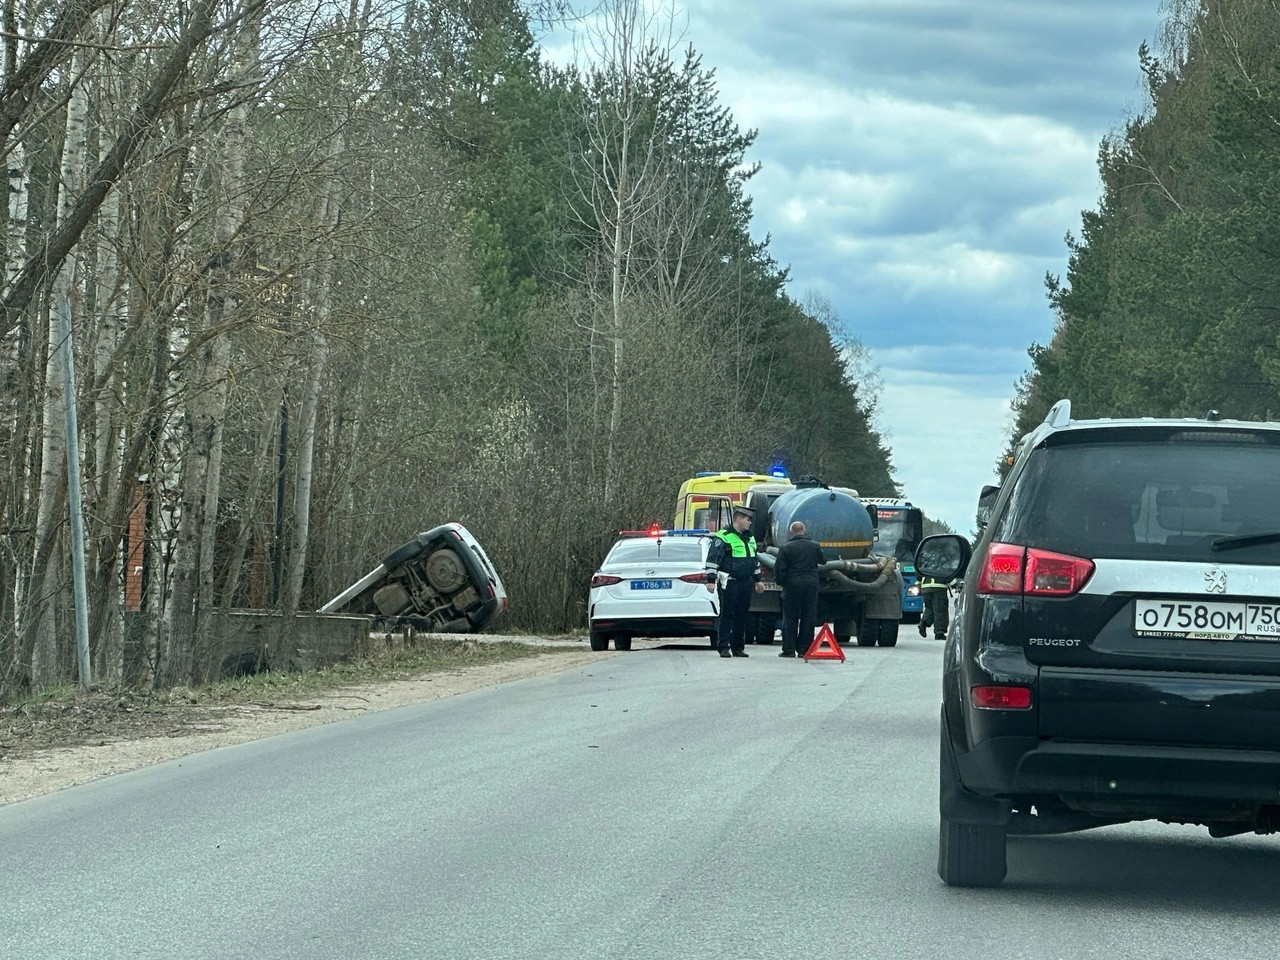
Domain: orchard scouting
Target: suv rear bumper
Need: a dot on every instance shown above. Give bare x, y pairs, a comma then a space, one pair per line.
1016, 766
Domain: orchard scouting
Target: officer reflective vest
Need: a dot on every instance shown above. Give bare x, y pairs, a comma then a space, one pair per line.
736, 555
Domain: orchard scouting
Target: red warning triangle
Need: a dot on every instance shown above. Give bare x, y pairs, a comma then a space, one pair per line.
824, 646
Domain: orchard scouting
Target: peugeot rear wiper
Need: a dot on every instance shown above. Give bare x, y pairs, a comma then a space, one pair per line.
1244, 540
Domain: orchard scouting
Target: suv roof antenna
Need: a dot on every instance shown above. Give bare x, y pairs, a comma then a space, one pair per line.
1059, 414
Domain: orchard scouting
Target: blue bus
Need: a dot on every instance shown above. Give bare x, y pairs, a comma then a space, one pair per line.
899, 530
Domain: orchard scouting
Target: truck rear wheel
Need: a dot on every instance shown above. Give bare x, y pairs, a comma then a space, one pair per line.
867, 632
886, 632
843, 631
762, 627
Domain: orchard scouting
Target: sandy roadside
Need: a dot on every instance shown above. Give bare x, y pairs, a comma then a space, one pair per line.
56, 769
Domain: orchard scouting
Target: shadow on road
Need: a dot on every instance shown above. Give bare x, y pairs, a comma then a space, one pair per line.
1182, 870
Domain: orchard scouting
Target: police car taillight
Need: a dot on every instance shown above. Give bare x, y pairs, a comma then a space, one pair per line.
604, 580
1010, 568
698, 577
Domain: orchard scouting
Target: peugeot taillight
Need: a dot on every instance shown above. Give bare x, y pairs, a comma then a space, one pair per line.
1000, 697
1002, 570
1010, 568
604, 580
1055, 574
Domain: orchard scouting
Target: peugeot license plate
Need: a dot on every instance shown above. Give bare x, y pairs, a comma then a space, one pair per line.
1207, 620
650, 584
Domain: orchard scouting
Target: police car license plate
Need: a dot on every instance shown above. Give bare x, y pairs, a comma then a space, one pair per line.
1206, 620
650, 584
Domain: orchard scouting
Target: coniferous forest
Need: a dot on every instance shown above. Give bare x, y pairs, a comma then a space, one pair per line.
1171, 301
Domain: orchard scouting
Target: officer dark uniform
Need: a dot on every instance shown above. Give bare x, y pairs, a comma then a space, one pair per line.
797, 573
733, 556
936, 607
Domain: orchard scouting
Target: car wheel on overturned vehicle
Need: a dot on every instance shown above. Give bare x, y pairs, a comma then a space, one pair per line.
406, 551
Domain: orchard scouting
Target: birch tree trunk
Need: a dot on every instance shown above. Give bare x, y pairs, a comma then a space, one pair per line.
193, 568
47, 586
614, 183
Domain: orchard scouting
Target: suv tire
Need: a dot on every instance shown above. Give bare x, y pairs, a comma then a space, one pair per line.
970, 854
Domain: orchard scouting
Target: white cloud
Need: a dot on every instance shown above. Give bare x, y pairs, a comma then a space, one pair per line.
922, 162
947, 432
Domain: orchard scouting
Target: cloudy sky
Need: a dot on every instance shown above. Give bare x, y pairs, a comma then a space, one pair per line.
922, 161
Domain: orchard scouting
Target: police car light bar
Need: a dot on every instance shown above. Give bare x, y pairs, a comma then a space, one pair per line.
656, 531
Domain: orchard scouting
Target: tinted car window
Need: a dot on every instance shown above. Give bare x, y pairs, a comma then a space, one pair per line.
648, 551
1165, 499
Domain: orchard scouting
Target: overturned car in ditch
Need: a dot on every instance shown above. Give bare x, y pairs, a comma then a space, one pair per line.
440, 581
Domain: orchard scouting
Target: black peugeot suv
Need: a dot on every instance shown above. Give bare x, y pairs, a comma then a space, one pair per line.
1115, 650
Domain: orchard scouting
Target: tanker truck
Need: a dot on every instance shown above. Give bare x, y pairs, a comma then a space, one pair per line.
845, 527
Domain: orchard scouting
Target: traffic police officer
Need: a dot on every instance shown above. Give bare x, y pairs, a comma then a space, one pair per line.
732, 559
936, 607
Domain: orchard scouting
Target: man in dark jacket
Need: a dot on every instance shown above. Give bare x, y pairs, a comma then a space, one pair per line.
732, 558
797, 573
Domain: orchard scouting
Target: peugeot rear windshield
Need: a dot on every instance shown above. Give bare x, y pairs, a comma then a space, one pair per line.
1175, 494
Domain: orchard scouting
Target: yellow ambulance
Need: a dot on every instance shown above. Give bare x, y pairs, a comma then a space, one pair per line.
706, 499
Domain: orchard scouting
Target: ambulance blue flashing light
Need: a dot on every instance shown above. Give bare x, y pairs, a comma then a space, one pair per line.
777, 470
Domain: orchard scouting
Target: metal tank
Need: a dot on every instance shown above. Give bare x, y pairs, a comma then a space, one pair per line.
853, 580
838, 521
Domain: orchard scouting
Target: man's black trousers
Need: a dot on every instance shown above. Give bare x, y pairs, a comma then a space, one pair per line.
799, 615
735, 598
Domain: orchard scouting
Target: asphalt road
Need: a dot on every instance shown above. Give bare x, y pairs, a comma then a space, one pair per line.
660, 804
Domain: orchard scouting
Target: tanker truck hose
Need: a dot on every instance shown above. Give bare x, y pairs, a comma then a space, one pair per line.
865, 565
849, 585
886, 566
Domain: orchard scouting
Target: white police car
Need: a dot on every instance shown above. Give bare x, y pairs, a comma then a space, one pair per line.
653, 583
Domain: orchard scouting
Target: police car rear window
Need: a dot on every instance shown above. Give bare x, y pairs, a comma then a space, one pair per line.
1160, 500
649, 551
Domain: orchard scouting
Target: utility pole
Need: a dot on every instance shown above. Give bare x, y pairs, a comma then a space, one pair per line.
63, 310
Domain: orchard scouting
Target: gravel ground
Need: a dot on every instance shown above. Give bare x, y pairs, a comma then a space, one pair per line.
110, 733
